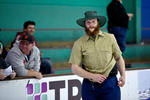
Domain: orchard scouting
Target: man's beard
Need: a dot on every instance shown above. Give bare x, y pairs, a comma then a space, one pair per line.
96, 31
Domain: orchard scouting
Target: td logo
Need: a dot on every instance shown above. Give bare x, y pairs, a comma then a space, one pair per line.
41, 91
37, 91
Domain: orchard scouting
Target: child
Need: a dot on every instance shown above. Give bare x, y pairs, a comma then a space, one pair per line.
3, 66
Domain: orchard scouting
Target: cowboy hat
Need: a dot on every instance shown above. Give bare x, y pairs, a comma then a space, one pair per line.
91, 15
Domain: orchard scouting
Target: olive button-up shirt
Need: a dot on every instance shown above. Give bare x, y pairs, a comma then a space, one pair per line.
96, 54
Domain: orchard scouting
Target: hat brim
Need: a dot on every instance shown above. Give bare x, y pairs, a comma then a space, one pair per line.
101, 20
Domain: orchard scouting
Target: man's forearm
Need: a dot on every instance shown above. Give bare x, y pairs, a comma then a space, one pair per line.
121, 66
34, 73
81, 72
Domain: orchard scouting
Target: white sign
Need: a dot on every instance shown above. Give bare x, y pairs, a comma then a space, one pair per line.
68, 87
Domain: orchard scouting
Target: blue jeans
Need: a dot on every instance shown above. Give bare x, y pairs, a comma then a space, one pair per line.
46, 66
108, 90
120, 35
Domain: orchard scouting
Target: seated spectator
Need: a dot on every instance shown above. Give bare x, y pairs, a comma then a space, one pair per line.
4, 65
29, 27
25, 57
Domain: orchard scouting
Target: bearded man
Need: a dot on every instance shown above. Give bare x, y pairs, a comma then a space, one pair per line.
98, 52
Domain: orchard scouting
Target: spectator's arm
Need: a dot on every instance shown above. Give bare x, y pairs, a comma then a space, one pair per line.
17, 63
34, 73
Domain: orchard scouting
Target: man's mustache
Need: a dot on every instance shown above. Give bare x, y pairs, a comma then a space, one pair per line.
91, 27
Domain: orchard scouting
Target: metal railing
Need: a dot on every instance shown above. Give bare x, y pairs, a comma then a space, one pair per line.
49, 29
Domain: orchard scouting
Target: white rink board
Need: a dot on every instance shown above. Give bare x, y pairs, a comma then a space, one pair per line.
60, 88
17, 89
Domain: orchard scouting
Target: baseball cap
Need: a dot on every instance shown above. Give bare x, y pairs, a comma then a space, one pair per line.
28, 38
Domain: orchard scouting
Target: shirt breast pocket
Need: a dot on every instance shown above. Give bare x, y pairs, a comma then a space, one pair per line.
89, 57
106, 55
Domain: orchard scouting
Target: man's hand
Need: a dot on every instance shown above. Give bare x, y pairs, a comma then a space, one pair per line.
121, 81
130, 15
2, 76
13, 74
38, 75
98, 78
121, 68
